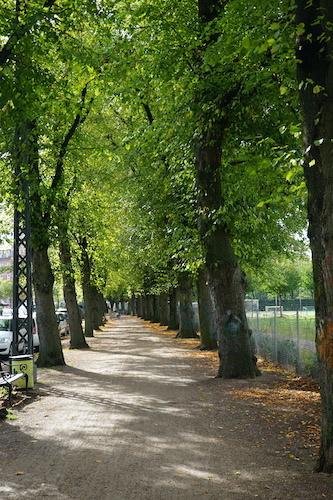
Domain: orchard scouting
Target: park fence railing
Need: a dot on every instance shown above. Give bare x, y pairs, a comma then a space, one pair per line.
286, 338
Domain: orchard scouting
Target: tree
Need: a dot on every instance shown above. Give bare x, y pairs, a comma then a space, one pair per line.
279, 277
225, 277
314, 69
187, 327
6, 290
207, 318
77, 340
45, 67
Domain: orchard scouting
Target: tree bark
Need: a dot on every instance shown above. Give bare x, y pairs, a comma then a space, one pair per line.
207, 314
88, 292
164, 309
187, 326
145, 307
225, 277
100, 308
148, 308
173, 323
139, 306
315, 78
25, 155
133, 306
150, 300
74, 317
156, 309
50, 350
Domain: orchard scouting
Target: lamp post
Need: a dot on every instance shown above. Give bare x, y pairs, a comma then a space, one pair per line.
22, 154
22, 286
22, 358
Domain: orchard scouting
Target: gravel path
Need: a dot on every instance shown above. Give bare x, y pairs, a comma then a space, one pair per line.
137, 417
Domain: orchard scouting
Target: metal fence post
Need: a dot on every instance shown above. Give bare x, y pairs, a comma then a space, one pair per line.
298, 353
257, 321
275, 337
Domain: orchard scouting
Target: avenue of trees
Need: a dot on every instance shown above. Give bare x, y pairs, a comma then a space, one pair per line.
171, 149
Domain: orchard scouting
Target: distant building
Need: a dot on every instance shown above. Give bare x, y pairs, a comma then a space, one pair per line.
6, 263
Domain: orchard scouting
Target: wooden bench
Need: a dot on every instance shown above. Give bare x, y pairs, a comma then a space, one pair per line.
7, 380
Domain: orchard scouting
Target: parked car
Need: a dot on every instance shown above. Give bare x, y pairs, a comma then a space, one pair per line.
62, 320
6, 336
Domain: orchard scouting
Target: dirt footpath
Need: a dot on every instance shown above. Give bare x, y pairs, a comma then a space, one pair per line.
137, 417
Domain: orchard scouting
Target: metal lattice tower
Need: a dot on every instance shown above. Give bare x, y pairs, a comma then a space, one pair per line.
22, 277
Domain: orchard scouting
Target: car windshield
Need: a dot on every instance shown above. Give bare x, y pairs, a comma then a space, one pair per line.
5, 324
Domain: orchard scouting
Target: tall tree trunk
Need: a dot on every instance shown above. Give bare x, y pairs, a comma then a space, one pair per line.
145, 307
150, 307
98, 308
74, 317
133, 306
225, 277
50, 350
315, 78
164, 309
88, 292
173, 323
208, 329
129, 307
25, 155
187, 326
139, 306
156, 309
97, 315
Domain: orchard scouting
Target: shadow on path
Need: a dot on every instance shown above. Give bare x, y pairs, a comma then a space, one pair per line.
136, 418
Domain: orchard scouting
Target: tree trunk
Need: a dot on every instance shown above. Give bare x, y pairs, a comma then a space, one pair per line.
145, 307
225, 277
111, 305
88, 292
173, 323
133, 306
156, 309
208, 329
237, 359
26, 165
150, 307
50, 349
315, 78
164, 309
139, 306
74, 317
187, 326
100, 308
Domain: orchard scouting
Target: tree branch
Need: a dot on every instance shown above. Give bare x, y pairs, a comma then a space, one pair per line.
6, 53
78, 120
149, 114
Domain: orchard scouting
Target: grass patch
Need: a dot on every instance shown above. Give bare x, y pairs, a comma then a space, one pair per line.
286, 326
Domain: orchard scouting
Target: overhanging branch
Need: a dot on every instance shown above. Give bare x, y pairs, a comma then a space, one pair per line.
77, 122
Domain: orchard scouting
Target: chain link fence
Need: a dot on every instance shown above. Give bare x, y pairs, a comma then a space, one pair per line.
286, 338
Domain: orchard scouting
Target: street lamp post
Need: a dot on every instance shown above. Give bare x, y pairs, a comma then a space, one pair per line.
22, 286
22, 359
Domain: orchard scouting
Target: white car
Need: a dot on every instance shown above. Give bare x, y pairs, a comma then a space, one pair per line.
6, 336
